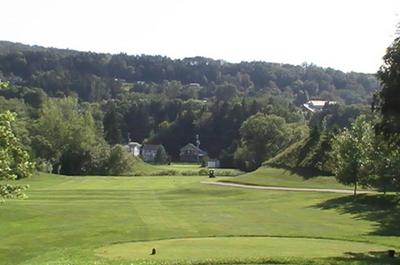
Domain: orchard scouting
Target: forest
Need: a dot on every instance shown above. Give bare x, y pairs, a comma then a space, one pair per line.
75, 109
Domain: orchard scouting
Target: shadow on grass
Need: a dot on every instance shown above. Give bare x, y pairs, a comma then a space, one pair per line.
308, 173
351, 258
305, 173
381, 209
370, 258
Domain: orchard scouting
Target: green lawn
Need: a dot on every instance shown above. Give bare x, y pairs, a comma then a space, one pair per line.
216, 248
269, 176
148, 169
145, 169
117, 220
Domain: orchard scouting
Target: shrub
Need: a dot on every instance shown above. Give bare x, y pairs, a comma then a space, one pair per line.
203, 172
120, 162
168, 172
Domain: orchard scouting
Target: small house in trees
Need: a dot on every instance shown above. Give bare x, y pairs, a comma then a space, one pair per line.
133, 148
149, 152
317, 105
191, 153
213, 163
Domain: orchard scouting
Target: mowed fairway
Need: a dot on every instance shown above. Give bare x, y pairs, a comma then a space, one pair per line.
111, 220
214, 248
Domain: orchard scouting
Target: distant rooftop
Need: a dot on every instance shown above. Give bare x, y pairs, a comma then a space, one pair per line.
315, 105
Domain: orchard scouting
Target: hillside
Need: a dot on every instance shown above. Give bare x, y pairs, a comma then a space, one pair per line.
8, 47
96, 76
269, 176
158, 100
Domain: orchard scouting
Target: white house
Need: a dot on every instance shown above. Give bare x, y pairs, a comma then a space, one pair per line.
133, 148
317, 105
213, 163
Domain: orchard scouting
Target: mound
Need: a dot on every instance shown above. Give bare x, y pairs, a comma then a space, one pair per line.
234, 248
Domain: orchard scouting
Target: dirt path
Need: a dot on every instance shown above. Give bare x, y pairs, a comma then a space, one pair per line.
236, 185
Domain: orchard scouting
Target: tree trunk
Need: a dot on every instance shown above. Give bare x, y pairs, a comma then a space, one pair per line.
355, 189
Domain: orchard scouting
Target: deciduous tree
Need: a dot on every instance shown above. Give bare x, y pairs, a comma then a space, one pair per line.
14, 160
388, 99
262, 136
351, 154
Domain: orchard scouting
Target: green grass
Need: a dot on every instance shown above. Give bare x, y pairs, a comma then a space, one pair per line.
70, 220
145, 169
198, 249
268, 176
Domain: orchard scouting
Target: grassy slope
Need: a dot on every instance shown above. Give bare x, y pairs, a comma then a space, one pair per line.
269, 176
67, 219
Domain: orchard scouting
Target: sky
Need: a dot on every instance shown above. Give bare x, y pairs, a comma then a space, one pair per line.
349, 35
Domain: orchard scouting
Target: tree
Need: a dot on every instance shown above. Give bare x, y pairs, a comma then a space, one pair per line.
386, 163
161, 156
120, 161
225, 92
112, 127
262, 136
66, 136
351, 154
387, 101
14, 160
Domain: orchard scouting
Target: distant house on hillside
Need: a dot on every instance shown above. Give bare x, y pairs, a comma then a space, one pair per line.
133, 148
191, 153
317, 105
149, 152
213, 163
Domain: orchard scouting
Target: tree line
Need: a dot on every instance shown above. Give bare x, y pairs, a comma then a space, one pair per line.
66, 133
95, 77
76, 110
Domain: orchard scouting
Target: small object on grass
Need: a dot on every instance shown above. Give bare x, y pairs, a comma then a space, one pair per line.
153, 251
211, 173
391, 253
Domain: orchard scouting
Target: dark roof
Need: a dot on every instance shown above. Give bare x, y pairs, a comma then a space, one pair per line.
151, 147
192, 146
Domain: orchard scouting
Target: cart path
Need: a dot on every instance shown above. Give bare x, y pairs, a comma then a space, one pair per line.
246, 186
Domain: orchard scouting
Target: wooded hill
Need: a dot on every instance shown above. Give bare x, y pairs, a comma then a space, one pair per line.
232, 106
96, 76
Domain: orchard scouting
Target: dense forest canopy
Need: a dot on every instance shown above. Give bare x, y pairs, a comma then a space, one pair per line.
159, 100
95, 76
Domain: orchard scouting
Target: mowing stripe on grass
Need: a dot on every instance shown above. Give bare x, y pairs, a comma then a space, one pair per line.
215, 248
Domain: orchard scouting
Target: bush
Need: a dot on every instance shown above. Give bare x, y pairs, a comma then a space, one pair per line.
168, 172
203, 172
226, 173
190, 173
44, 166
120, 162
161, 156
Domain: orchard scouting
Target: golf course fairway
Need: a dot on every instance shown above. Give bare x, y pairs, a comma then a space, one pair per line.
215, 248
